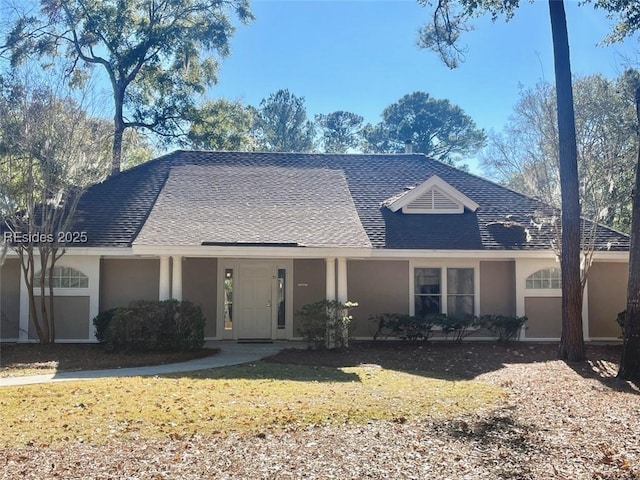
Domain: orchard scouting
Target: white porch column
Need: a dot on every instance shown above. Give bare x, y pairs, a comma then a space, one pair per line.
176, 278
331, 278
520, 284
164, 292
342, 280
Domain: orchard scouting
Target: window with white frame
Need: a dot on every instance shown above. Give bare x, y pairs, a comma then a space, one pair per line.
430, 297
548, 278
427, 291
64, 277
460, 292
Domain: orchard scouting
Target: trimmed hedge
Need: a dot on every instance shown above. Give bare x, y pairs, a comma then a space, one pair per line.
406, 327
504, 327
169, 325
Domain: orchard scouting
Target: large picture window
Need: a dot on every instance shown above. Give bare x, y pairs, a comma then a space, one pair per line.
438, 290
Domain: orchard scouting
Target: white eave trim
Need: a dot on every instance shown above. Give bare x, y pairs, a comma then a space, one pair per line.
89, 251
490, 254
352, 252
424, 187
233, 251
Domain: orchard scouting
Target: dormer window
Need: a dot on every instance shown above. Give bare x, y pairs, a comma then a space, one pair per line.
433, 196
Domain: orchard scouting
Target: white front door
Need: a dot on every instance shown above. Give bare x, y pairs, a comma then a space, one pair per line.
255, 305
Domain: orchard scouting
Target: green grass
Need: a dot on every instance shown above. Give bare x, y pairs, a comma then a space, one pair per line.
249, 398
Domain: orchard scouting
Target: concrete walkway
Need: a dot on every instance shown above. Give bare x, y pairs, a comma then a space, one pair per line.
231, 353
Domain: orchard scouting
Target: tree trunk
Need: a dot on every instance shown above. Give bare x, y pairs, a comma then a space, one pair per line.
572, 340
116, 149
630, 359
118, 128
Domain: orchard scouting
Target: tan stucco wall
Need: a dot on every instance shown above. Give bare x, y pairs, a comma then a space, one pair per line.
199, 285
10, 316
378, 287
544, 317
498, 288
123, 281
607, 296
309, 285
71, 316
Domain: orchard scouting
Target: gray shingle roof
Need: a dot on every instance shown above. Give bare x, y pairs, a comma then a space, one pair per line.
114, 212
254, 205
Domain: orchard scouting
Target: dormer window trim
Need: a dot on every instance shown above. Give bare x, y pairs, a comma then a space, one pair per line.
433, 184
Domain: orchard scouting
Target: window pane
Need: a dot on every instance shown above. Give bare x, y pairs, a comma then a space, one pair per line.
427, 291
427, 305
427, 281
459, 305
544, 279
64, 277
228, 299
282, 288
460, 280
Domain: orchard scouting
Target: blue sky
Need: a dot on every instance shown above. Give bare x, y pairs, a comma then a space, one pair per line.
361, 56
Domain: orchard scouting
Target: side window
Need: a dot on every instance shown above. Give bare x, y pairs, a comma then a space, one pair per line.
64, 277
282, 297
544, 279
427, 291
228, 299
460, 295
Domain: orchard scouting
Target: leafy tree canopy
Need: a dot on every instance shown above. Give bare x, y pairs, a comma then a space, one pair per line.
341, 131
434, 127
223, 125
157, 54
282, 124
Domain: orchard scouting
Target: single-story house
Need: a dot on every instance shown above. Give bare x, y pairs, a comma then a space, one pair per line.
253, 237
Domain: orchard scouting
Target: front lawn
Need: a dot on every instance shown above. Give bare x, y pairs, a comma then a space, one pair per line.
251, 398
475, 411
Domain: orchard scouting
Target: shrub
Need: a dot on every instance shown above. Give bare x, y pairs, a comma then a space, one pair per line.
169, 325
102, 321
504, 327
326, 324
459, 326
405, 327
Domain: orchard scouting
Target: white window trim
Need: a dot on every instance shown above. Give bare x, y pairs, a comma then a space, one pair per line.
541, 290
61, 291
443, 264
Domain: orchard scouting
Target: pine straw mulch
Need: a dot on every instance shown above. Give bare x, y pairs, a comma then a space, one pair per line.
559, 421
36, 359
